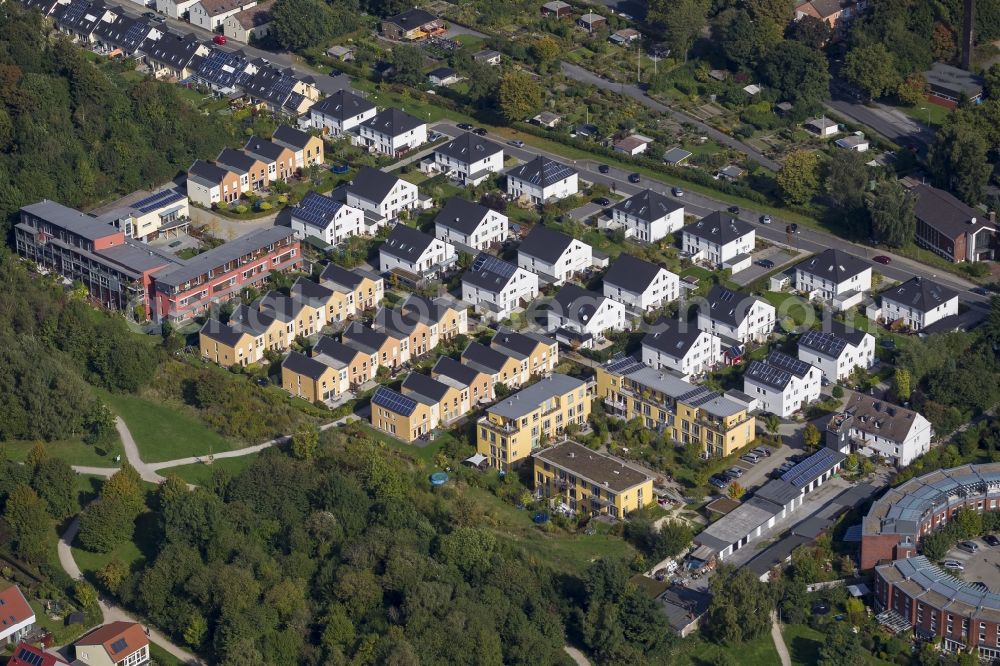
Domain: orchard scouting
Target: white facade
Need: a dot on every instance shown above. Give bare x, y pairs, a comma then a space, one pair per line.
389, 144
577, 257
335, 126
785, 401
200, 16
700, 357
839, 367
538, 194
608, 315
914, 317
702, 249
900, 453
403, 196
437, 255
203, 193
500, 303
346, 222
664, 289
174, 8
756, 325
461, 169
649, 231
826, 289
492, 229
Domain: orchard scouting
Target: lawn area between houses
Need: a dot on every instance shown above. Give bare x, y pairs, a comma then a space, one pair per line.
804, 643
163, 431
424, 454
200, 473
696, 651
790, 305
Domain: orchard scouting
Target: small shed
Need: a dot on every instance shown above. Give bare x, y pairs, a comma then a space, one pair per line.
624, 37
633, 145
547, 119
591, 22
753, 89
676, 156
556, 9
784, 108
443, 76
487, 56
856, 142
341, 53
822, 127
731, 173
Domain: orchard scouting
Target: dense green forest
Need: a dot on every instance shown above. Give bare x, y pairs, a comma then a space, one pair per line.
78, 133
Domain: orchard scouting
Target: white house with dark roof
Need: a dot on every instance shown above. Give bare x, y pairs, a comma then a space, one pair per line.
834, 277
640, 285
648, 216
174, 8
917, 303
470, 224
679, 346
553, 255
496, 288
736, 316
469, 158
838, 351
383, 196
340, 112
320, 216
391, 132
897, 434
414, 251
719, 239
443, 76
782, 384
585, 312
542, 180
254, 22
210, 14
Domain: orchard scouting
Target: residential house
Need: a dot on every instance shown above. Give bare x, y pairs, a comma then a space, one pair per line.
487, 57
834, 277
114, 644
684, 412
591, 22
495, 288
26, 654
856, 142
253, 172
412, 25
588, 482
585, 312
950, 228
172, 56
542, 180
328, 304
307, 148
46, 7
736, 316
835, 13
445, 317
443, 76
390, 350
547, 119
445, 399
946, 85
837, 352
539, 355
146, 219
719, 239
366, 288
415, 252
361, 365
250, 24
124, 34
899, 435
517, 426
498, 366
475, 386
17, 619
243, 340
80, 18
300, 317
331, 221
782, 384
625, 36
632, 145
210, 184
418, 335
210, 14
391, 132
640, 286
917, 303
470, 224
340, 112
177, 9
279, 91
279, 160
553, 255
381, 195
312, 379
648, 216
469, 158
822, 127
224, 72
556, 9
404, 417
679, 346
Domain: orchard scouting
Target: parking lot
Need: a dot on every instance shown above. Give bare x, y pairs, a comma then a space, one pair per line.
980, 567
780, 257
757, 475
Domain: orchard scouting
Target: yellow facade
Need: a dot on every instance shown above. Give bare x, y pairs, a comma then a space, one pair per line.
406, 428
312, 153
226, 355
507, 439
327, 386
362, 368
369, 292
682, 422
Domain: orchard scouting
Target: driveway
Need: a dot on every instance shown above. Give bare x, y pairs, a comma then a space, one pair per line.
585, 211
778, 255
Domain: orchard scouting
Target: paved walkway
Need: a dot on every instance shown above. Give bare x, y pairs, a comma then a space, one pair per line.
576, 655
779, 641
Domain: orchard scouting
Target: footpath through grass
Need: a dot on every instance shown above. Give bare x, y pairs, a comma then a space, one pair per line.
200, 473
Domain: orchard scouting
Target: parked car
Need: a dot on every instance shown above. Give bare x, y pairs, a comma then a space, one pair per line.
602, 201
735, 210
761, 451
517, 143
677, 192
982, 291
464, 126
991, 540
968, 546
219, 39
882, 259
954, 565
479, 131
765, 263
604, 168
765, 219
634, 178
735, 472
751, 458
719, 482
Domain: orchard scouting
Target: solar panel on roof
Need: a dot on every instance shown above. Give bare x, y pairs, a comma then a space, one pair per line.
119, 645
316, 209
810, 468
29, 657
824, 342
158, 200
490, 264
789, 363
624, 365
393, 401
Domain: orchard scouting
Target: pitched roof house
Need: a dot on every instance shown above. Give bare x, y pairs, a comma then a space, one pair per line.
542, 180
496, 288
678, 345
640, 285
950, 228
340, 112
585, 312
392, 132
553, 255
835, 277
117, 643
648, 216
917, 303
470, 224
469, 158
16, 616
414, 251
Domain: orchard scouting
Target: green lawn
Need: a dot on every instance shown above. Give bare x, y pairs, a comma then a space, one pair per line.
162, 657
803, 643
424, 454
165, 432
696, 651
73, 451
927, 111
791, 305
140, 547
200, 473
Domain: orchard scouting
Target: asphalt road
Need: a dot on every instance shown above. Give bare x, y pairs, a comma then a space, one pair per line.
582, 75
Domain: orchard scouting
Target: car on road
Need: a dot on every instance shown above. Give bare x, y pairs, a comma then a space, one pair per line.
517, 143
219, 39
479, 131
882, 259
954, 565
602, 201
765, 219
677, 192
604, 168
765, 263
969, 546
982, 291
734, 472
149, 14
464, 126
991, 540
634, 178
719, 482
735, 210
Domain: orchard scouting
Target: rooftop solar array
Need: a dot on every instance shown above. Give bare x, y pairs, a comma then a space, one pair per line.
824, 343
789, 363
542, 171
393, 401
623, 365
768, 374
812, 467
158, 200
119, 645
489, 264
29, 657
222, 68
316, 209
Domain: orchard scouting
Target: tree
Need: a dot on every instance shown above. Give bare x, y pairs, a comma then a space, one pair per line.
991, 81
891, 210
912, 90
304, 24
740, 608
799, 177
113, 574
841, 647
811, 436
958, 161
545, 49
968, 523
747, 42
680, 20
195, 631
54, 482
847, 179
811, 31
125, 490
772, 423
776, 12
872, 68
519, 96
305, 442
799, 74
407, 64
104, 525
735, 490
29, 522
901, 383
935, 545
85, 594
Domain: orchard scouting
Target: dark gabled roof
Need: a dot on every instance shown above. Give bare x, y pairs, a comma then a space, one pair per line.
364, 338
316, 209
252, 320
236, 160
425, 386
768, 375
442, 73
944, 213
342, 105
411, 18
648, 206
226, 69
728, 306
834, 265
406, 243
545, 244
395, 322
171, 50
342, 276
284, 308
719, 228
81, 16
268, 151
577, 303
294, 139
428, 310
311, 291
631, 274
541, 172
788, 363
303, 365
212, 173
327, 346
920, 294
833, 342
489, 273
462, 215
484, 359
462, 374
519, 345
275, 86
372, 184
469, 148
224, 333
393, 122
672, 337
